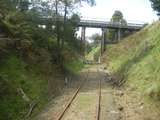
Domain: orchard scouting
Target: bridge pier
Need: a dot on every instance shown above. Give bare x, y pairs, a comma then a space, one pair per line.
83, 34
83, 40
103, 40
119, 34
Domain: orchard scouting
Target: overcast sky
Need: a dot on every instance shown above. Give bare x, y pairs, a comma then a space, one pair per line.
135, 10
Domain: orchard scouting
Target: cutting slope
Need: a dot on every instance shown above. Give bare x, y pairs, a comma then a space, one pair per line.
136, 59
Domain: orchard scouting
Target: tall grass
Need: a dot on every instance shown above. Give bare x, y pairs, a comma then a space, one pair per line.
137, 60
13, 75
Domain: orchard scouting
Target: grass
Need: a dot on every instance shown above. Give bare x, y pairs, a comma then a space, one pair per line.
74, 66
93, 53
85, 102
136, 59
13, 75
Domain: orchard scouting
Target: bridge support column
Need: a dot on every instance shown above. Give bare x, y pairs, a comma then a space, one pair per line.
83, 40
119, 34
83, 32
103, 41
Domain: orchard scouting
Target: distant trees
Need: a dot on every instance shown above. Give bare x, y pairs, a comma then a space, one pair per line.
90, 2
63, 8
156, 6
39, 37
43, 21
59, 12
95, 42
117, 18
21, 5
96, 39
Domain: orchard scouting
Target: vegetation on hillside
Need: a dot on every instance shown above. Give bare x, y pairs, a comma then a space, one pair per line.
39, 46
136, 60
14, 79
38, 42
156, 6
94, 54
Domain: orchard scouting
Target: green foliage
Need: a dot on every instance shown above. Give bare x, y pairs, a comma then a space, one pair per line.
154, 91
156, 6
13, 75
117, 18
94, 53
23, 5
6, 5
136, 60
90, 2
74, 66
30, 66
70, 36
96, 38
93, 47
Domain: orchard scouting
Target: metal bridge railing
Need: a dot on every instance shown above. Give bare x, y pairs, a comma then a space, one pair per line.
100, 22
107, 19
91, 22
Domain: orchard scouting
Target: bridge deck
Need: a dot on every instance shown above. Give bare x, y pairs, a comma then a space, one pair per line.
106, 24
102, 24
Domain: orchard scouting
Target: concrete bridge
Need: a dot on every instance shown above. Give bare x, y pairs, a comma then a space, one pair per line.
104, 25
110, 25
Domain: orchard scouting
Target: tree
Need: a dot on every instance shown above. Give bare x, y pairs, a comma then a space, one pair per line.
156, 6
6, 6
9, 5
70, 34
23, 5
96, 38
57, 22
117, 18
69, 4
90, 2
57, 10
75, 19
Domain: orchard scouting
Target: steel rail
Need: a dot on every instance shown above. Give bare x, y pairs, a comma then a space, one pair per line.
99, 102
72, 98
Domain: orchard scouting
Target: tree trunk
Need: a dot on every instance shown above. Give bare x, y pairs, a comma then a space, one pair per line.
64, 25
57, 24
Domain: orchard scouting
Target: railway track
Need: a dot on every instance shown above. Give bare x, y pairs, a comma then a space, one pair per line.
99, 102
98, 111
72, 98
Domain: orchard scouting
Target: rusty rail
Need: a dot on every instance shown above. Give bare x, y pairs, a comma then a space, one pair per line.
99, 102
71, 100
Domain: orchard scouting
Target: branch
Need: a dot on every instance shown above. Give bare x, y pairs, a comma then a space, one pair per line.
32, 106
